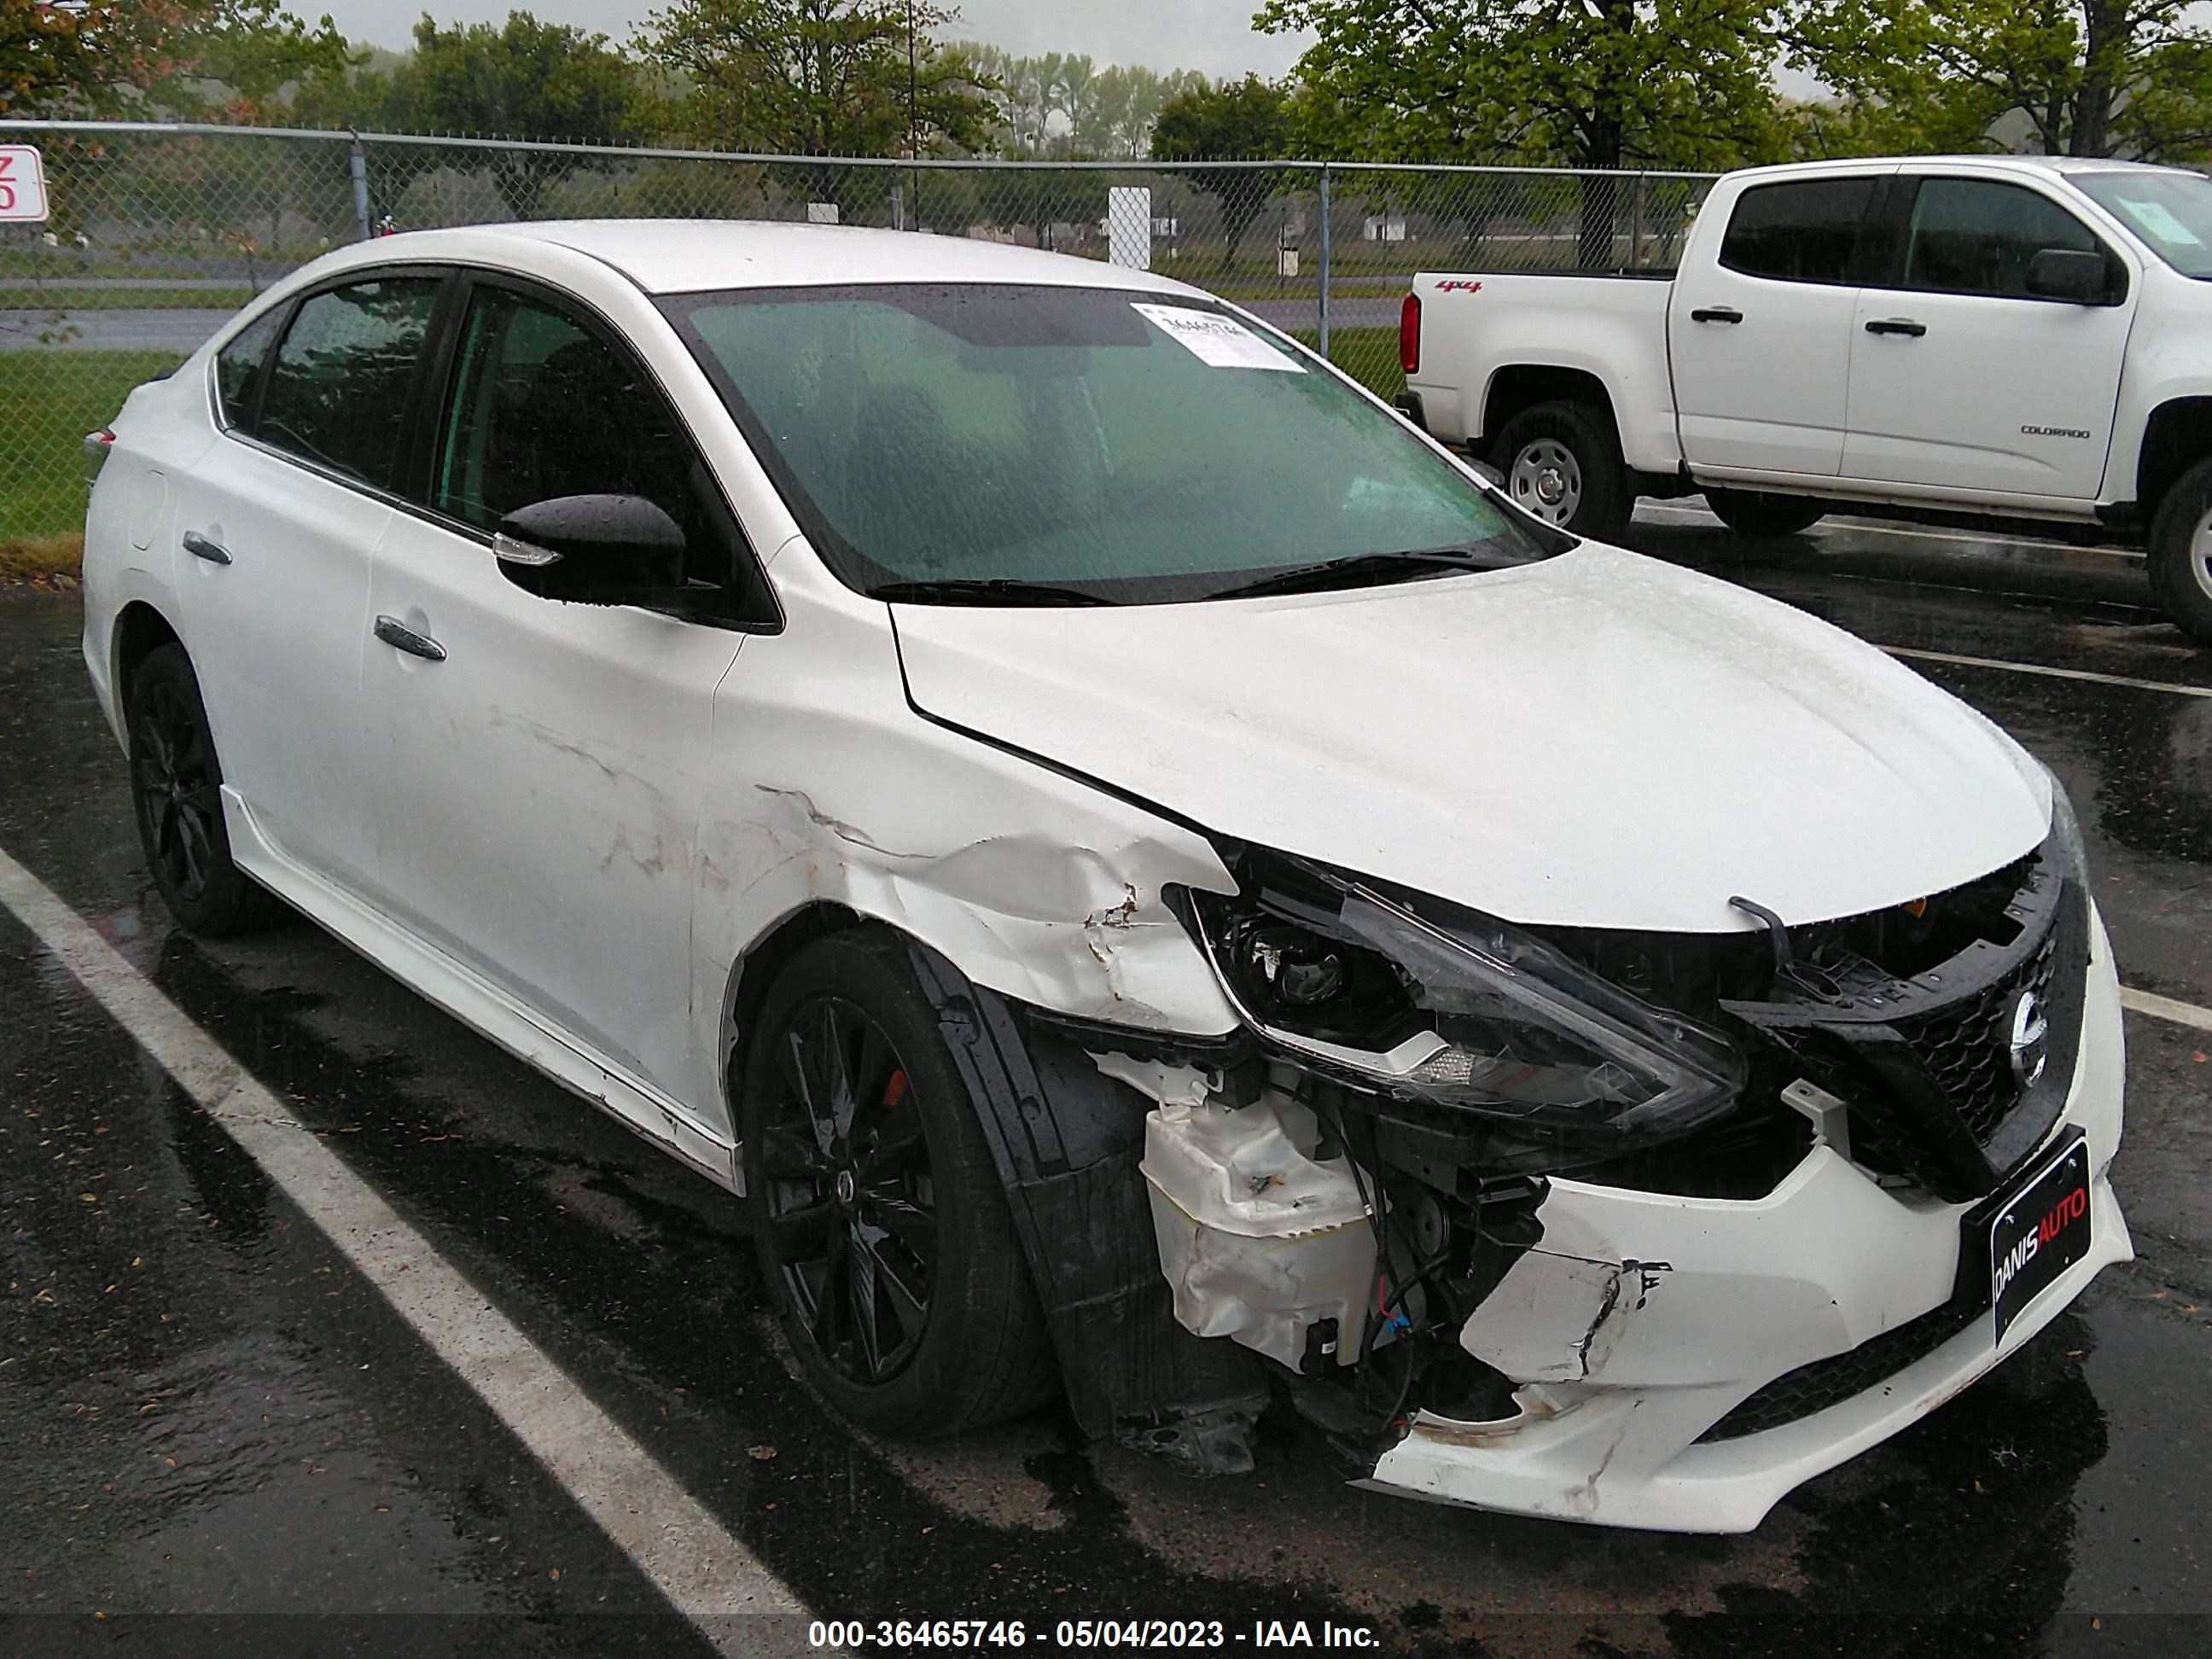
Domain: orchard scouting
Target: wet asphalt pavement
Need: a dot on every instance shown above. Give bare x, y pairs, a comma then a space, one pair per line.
206, 1413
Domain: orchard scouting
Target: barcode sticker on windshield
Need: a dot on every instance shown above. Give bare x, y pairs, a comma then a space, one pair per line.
1222, 341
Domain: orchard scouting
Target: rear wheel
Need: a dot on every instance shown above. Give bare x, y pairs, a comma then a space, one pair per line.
176, 789
1561, 462
2180, 552
877, 1215
1754, 513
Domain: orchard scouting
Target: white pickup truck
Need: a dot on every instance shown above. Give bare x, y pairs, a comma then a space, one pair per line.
2023, 336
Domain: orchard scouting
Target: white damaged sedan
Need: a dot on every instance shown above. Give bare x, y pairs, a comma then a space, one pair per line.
1149, 877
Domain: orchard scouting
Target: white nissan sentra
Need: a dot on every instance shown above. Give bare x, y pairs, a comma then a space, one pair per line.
1142, 873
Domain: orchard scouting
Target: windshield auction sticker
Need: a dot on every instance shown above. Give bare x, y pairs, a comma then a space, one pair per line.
1213, 338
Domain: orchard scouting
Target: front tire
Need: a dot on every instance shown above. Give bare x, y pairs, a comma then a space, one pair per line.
2180, 552
1561, 462
1754, 513
878, 1216
176, 792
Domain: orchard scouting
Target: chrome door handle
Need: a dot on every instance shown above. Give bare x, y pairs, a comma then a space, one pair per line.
1717, 314
204, 547
400, 637
1897, 325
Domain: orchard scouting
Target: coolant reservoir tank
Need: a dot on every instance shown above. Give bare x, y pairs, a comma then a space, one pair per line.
1259, 1242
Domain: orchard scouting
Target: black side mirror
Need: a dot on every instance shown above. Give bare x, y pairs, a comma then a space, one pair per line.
591, 550
2073, 275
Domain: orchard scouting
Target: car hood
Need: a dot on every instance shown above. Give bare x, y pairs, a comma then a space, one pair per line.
1600, 739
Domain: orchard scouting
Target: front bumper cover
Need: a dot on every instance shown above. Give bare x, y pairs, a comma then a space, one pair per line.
1643, 1320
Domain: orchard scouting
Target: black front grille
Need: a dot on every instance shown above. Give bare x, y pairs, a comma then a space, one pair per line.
1925, 1062
1965, 1048
1824, 1382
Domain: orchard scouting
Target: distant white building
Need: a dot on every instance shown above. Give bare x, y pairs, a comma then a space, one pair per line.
1384, 227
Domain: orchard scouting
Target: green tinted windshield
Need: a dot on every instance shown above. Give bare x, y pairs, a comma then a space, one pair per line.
1104, 445
2171, 211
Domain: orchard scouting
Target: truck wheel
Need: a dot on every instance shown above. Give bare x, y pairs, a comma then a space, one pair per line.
2180, 550
1754, 513
1561, 462
877, 1212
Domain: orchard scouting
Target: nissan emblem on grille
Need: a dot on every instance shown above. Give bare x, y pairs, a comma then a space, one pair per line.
2027, 1040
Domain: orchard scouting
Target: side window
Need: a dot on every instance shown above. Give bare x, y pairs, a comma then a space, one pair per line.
1977, 236
338, 391
1801, 232
237, 363
542, 407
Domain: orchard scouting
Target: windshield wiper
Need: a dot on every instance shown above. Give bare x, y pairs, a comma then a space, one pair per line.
983, 590
1359, 570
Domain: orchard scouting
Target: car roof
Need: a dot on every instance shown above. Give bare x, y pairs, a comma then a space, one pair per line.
681, 256
2046, 164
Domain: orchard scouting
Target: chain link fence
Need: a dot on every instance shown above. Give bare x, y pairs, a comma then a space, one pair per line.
157, 234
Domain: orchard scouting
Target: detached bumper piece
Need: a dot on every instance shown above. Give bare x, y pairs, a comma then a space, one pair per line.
1675, 1337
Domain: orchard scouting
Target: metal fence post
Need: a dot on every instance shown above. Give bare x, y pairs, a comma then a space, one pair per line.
358, 163
1324, 259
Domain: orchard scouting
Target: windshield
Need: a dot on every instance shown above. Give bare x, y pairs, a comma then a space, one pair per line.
974, 444
2171, 211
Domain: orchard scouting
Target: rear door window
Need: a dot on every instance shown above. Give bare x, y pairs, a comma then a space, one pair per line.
338, 390
238, 367
1804, 231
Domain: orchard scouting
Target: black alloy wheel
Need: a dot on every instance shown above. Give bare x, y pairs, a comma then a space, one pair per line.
174, 774
176, 792
878, 1216
850, 1199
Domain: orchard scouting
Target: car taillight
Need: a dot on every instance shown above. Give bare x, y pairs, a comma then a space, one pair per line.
1409, 334
96, 447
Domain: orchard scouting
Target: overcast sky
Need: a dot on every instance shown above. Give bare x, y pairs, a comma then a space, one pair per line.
1213, 36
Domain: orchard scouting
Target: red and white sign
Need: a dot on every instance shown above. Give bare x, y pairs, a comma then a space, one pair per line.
22, 184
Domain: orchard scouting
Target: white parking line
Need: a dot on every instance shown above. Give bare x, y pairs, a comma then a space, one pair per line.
2048, 671
1911, 532
2159, 1007
704, 1572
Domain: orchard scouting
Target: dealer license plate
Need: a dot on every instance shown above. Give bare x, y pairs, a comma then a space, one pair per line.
2041, 1231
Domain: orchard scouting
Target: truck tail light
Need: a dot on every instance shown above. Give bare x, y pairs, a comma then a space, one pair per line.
1409, 334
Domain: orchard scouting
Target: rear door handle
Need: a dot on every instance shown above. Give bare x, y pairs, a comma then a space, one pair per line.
203, 547
400, 637
1897, 325
1717, 314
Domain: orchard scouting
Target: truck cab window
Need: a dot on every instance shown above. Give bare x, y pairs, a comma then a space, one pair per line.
1801, 232
1977, 235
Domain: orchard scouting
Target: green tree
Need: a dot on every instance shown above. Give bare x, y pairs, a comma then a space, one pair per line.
51, 56
1594, 84
523, 79
818, 77
1245, 120
238, 60
2088, 77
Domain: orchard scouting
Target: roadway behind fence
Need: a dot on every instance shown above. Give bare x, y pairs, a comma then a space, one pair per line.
158, 232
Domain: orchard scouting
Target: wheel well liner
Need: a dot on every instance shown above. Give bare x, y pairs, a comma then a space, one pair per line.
140, 629
1523, 385
2178, 435
1066, 1140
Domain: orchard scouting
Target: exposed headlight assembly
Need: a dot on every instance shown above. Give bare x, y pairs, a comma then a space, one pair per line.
1457, 1012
